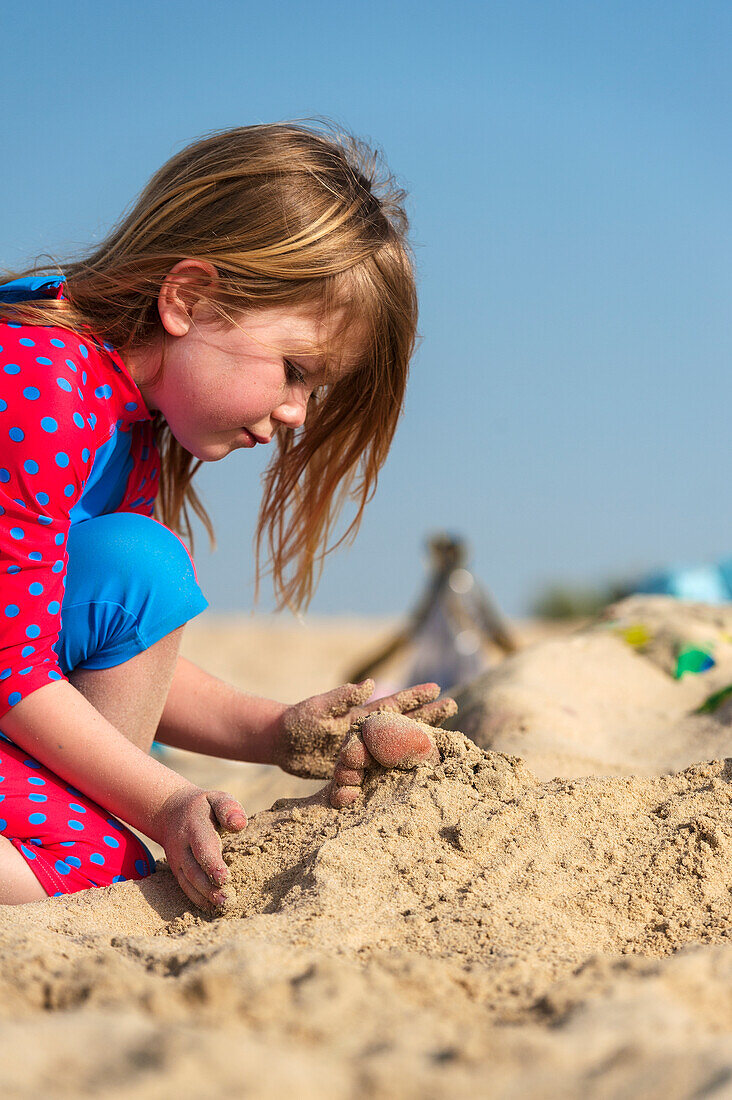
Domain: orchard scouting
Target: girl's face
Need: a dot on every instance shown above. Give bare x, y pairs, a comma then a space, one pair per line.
223, 388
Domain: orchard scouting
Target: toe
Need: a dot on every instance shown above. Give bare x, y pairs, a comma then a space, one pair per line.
397, 741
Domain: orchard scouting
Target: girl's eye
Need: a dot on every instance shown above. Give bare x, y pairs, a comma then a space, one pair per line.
293, 373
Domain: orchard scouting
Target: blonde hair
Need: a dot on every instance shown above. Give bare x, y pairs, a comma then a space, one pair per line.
289, 215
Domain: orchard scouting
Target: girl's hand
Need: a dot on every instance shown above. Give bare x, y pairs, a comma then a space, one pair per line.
186, 826
311, 733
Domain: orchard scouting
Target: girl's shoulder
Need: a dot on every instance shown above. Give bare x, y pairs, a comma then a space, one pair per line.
46, 359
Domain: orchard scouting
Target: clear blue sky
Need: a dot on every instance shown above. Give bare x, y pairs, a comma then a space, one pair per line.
568, 165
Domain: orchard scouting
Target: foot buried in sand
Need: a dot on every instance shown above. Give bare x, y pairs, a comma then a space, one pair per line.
392, 740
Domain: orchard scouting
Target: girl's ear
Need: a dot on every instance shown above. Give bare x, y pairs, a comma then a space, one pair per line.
182, 288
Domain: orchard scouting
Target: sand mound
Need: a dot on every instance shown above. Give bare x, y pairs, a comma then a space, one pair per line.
465, 930
605, 699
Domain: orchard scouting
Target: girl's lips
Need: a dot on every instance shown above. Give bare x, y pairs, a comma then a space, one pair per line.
251, 439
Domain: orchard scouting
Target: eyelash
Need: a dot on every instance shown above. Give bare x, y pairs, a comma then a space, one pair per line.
293, 373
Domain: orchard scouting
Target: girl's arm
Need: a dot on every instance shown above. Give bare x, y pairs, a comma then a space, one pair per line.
59, 727
206, 715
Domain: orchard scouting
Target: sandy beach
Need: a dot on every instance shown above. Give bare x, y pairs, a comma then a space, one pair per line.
545, 912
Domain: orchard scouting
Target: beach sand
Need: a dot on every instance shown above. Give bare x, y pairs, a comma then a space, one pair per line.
544, 913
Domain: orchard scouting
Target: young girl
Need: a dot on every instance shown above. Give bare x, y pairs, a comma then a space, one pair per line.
260, 289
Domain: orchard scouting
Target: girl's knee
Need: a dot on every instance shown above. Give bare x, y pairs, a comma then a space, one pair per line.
130, 581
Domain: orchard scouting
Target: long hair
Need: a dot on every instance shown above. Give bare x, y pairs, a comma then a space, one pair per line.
290, 215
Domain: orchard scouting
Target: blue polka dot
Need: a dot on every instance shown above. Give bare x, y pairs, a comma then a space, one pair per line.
131, 406
36, 819
42, 498
3, 405
67, 844
30, 466
5, 673
3, 824
2, 797
85, 455
14, 698
84, 350
119, 878
115, 824
11, 610
57, 567
78, 419
25, 671
17, 435
36, 781
74, 861
49, 424
55, 675
98, 858
31, 763
27, 852
43, 361
17, 533
32, 631
58, 343
62, 868
31, 393
77, 808
35, 555
27, 342
141, 866
13, 569
69, 491
64, 384
62, 459
27, 650
4, 476
91, 421
38, 798
36, 588
71, 365
111, 842
103, 391
76, 825
11, 368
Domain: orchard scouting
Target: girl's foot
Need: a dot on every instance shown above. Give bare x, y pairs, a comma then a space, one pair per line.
392, 740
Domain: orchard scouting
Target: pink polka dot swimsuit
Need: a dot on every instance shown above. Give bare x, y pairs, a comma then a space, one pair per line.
75, 442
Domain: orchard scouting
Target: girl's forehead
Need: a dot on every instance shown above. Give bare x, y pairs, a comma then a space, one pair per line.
306, 333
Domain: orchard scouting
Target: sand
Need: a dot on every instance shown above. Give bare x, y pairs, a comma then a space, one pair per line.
478, 926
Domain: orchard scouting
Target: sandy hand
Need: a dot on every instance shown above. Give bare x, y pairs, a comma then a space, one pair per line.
392, 740
313, 731
186, 826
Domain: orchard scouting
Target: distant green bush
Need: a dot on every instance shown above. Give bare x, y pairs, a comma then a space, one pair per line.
567, 601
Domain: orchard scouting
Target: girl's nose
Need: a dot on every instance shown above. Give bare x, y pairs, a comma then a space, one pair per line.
291, 413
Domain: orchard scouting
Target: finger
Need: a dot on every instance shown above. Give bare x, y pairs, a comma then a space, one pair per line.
354, 753
340, 700
194, 895
347, 777
197, 877
341, 797
205, 844
228, 812
397, 741
408, 700
434, 714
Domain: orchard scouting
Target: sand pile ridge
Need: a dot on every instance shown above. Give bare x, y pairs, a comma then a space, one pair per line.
466, 929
